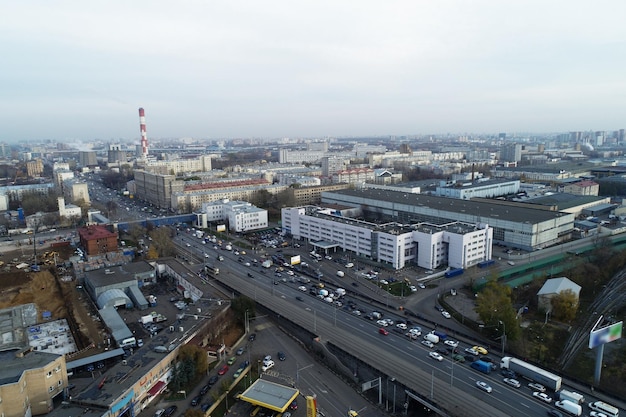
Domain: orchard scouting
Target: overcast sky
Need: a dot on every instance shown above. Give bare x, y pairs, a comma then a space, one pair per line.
264, 68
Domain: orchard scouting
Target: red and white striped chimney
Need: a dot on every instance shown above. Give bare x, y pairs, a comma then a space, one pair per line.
144, 135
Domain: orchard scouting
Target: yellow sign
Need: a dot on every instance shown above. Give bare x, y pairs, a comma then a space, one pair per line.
311, 406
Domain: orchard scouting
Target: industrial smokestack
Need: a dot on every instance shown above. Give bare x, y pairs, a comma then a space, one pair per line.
144, 135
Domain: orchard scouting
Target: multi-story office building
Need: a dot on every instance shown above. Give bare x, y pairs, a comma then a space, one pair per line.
430, 246
511, 152
333, 164
240, 215
34, 168
76, 191
87, 158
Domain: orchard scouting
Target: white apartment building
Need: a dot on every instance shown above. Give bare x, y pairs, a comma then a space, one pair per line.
241, 215
457, 245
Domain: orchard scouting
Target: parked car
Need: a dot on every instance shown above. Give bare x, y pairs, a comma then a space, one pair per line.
240, 351
267, 366
212, 381
205, 389
484, 386
281, 356
446, 314
232, 360
196, 400
169, 411
252, 337
427, 343
223, 370
471, 351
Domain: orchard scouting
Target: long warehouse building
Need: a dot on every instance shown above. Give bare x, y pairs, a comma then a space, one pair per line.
520, 225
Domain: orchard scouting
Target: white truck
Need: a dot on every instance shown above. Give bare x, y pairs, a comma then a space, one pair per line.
571, 396
432, 338
569, 407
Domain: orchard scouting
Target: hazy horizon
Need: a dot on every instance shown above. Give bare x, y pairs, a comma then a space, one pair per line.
245, 69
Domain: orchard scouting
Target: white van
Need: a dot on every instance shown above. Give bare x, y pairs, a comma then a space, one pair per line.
569, 407
604, 408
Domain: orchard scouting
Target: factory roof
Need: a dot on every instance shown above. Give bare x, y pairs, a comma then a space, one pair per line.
515, 212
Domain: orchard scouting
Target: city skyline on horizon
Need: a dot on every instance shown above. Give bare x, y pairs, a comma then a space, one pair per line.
242, 70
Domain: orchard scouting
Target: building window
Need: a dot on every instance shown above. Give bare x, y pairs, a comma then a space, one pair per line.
49, 374
50, 389
60, 383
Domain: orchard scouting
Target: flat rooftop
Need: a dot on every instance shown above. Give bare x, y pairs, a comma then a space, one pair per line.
519, 212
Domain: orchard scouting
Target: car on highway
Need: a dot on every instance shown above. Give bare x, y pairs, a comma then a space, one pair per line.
446, 314
436, 356
484, 386
555, 413
512, 382
299, 298
471, 351
508, 373
401, 326
383, 331
451, 343
458, 358
481, 350
427, 343
537, 387
223, 370
542, 396
349, 265
382, 323
240, 351
302, 288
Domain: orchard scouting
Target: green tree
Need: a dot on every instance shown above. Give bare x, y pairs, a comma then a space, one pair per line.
162, 242
196, 355
564, 305
494, 306
240, 305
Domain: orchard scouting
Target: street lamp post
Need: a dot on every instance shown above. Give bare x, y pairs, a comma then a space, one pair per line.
503, 335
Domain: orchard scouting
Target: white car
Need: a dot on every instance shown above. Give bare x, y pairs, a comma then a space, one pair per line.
356, 312
483, 386
422, 286
446, 314
401, 326
537, 387
382, 323
471, 351
413, 288
427, 343
302, 288
330, 258
542, 396
436, 356
415, 331
384, 282
451, 343
597, 414
349, 265
389, 322
512, 382
268, 365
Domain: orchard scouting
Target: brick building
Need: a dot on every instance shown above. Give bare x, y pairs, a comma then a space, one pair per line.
97, 239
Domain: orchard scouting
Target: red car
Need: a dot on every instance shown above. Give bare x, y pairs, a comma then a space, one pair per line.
223, 370
383, 331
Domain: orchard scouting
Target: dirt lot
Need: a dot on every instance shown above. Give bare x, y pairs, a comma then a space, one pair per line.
48, 293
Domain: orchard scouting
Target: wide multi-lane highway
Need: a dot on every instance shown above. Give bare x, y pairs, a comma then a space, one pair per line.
448, 385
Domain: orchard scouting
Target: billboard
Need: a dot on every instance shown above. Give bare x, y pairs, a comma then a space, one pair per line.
221, 227
605, 335
295, 260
